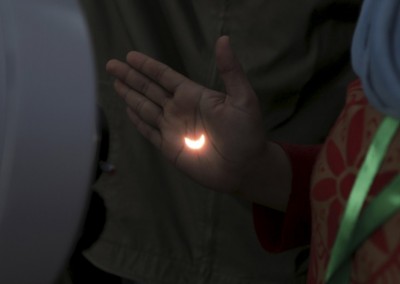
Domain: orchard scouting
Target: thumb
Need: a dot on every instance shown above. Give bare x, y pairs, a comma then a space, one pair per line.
236, 83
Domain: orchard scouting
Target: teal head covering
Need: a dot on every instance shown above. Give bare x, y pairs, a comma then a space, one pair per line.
376, 54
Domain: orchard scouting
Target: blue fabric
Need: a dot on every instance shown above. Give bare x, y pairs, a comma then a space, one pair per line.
376, 54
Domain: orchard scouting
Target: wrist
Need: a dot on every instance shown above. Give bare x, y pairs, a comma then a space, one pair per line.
267, 179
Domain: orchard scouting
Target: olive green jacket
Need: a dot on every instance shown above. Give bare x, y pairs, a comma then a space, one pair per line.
161, 226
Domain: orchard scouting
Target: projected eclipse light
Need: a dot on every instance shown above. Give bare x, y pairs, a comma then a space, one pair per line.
195, 144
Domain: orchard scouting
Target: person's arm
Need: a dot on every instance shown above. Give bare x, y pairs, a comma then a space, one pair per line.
167, 108
278, 231
268, 180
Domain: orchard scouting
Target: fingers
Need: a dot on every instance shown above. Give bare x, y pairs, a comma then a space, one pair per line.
137, 81
145, 108
236, 83
163, 75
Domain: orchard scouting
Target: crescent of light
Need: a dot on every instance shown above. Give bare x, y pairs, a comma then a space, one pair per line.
195, 144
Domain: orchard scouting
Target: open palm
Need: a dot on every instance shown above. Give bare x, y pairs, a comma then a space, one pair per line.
166, 107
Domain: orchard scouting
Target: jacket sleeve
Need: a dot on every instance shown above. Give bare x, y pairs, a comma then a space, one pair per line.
278, 231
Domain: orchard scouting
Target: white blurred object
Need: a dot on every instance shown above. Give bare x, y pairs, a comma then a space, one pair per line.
47, 136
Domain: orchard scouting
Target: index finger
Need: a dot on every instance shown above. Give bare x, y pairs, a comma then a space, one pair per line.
162, 74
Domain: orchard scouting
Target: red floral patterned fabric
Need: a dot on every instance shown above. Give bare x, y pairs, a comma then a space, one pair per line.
332, 178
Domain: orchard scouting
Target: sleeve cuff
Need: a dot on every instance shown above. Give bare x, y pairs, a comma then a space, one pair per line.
278, 231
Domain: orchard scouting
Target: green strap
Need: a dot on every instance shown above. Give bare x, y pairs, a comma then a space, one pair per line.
384, 206
362, 184
342, 275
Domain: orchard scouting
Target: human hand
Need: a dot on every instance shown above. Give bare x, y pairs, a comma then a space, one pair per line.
166, 107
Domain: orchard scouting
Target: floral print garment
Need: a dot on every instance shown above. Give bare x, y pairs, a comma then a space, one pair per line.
332, 178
